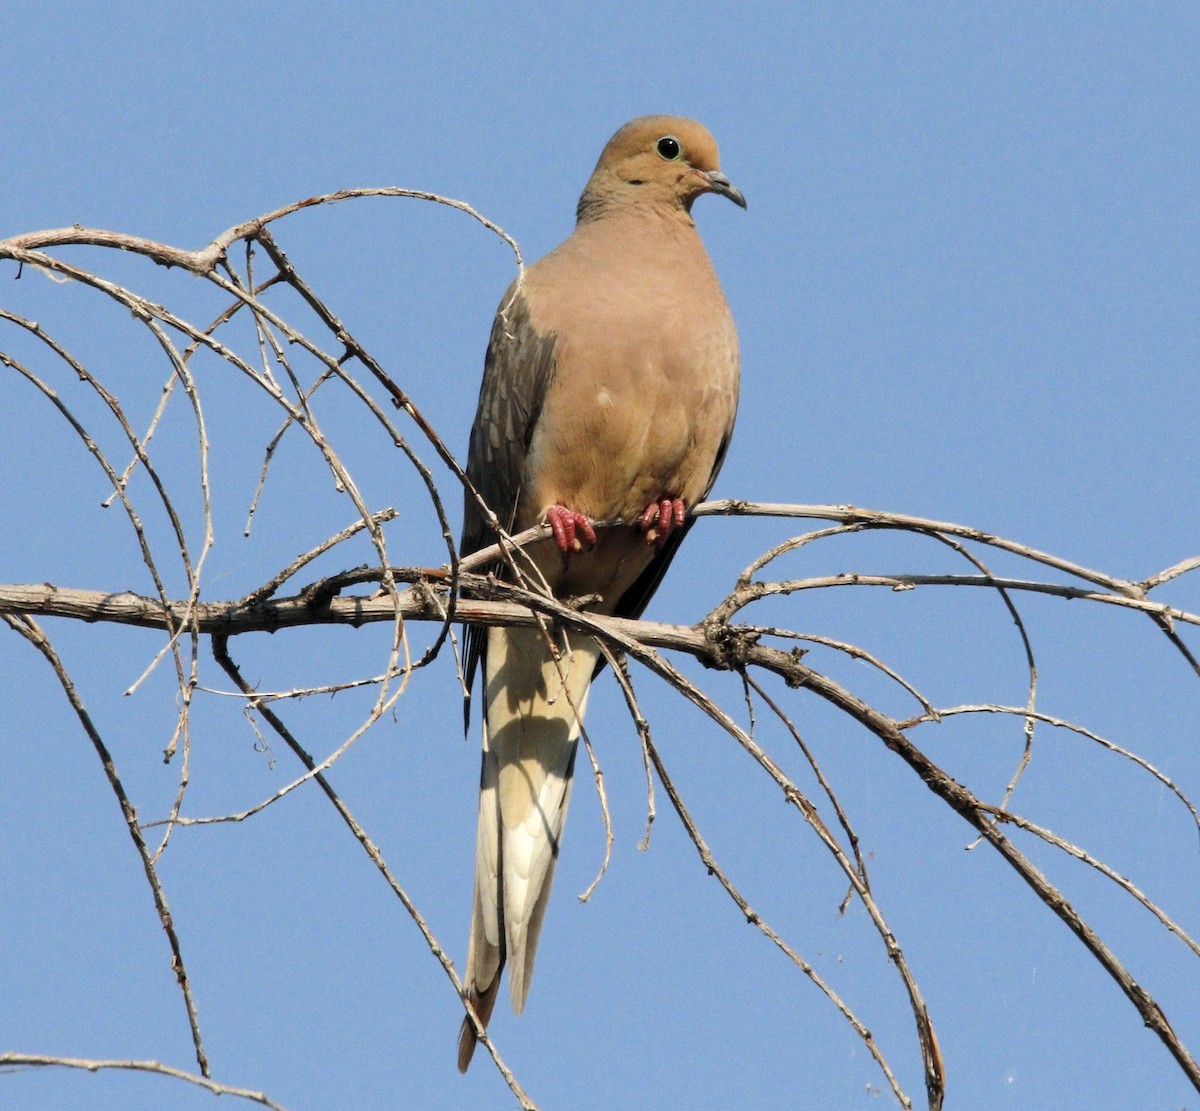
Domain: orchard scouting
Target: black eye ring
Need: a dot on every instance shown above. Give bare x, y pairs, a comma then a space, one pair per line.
669, 147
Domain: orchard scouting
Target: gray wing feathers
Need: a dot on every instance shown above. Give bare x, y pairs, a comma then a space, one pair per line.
516, 376
517, 372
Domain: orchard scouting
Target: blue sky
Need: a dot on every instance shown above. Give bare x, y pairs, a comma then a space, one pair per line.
966, 288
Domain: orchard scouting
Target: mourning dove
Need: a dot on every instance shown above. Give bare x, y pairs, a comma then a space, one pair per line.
609, 392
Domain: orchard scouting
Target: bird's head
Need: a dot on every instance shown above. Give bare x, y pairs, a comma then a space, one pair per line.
657, 160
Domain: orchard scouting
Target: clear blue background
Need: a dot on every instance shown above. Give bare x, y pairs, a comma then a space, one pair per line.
967, 288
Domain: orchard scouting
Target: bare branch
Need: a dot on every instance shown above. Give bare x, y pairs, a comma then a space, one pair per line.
221, 654
300, 373
38, 1060
32, 633
205, 261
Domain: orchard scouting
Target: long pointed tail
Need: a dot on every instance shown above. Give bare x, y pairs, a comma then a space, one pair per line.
534, 707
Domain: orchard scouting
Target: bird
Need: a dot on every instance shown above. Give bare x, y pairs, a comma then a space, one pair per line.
609, 392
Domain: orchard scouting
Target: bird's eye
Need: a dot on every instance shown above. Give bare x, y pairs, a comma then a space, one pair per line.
668, 147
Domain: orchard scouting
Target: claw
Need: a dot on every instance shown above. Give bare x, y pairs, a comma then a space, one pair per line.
661, 518
571, 530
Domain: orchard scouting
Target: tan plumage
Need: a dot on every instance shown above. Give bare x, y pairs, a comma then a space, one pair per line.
610, 385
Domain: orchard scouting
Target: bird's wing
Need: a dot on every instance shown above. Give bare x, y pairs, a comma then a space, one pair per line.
517, 372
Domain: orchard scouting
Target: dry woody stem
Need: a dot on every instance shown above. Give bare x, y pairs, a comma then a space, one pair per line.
301, 352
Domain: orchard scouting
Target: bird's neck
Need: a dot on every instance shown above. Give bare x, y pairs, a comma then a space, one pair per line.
645, 237
632, 204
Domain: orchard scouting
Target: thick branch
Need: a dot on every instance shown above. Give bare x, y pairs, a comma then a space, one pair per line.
417, 603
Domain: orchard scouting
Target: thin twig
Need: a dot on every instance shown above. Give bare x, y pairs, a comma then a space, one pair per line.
843, 820
754, 918
221, 654
33, 633
40, 1060
620, 668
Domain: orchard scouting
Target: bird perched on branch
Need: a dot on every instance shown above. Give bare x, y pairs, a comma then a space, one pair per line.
609, 392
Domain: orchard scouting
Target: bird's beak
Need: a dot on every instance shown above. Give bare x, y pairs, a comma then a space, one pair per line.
719, 183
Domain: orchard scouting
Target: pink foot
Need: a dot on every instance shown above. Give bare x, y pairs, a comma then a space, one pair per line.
661, 518
571, 530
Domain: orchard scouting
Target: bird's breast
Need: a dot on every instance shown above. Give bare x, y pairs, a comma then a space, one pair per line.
636, 410
645, 378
